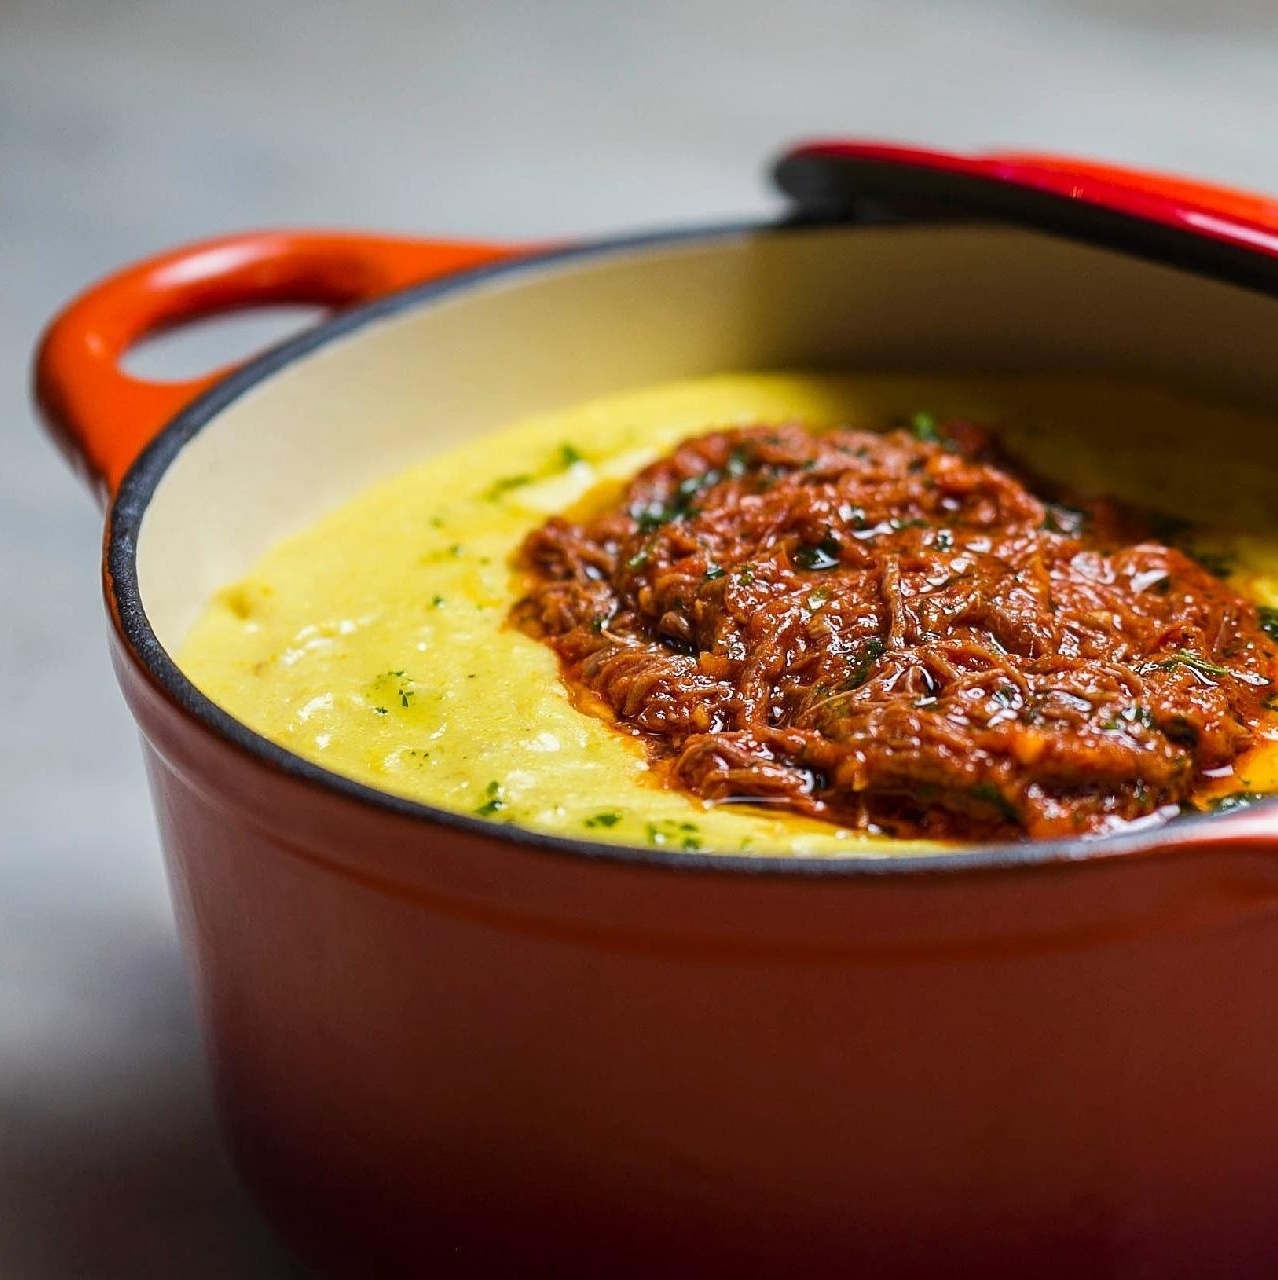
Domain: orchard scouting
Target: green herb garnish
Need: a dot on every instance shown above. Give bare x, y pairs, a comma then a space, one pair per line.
506, 483
609, 819
923, 425
1183, 658
494, 801
392, 686
680, 835
871, 652
988, 793
1179, 730
825, 555
640, 558
653, 515
1127, 717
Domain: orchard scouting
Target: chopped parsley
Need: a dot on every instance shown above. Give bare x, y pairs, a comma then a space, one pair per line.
988, 793
640, 558
505, 483
923, 427
871, 652
607, 819
825, 555
494, 800
1179, 730
392, 687
672, 834
1183, 658
682, 504
1127, 717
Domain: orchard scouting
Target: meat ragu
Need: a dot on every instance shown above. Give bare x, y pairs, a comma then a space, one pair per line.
896, 633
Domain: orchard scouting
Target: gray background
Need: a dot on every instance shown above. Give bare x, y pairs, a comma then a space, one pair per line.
128, 125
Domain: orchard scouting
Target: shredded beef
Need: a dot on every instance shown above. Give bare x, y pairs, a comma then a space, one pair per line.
896, 634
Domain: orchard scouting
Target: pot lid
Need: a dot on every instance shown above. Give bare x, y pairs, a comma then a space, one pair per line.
1189, 223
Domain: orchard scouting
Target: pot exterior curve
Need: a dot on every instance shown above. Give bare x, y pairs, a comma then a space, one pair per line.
1077, 1080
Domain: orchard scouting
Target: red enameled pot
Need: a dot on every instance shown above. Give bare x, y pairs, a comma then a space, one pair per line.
445, 1047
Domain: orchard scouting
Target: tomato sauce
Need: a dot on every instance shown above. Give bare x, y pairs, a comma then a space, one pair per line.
899, 633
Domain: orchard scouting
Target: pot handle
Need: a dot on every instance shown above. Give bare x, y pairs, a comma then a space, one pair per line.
827, 177
102, 417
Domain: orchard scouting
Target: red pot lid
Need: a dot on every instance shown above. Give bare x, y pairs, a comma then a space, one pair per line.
1156, 214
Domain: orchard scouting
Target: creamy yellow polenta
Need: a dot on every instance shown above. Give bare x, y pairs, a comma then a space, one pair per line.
375, 642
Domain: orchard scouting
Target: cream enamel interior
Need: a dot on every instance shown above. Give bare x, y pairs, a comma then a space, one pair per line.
891, 298
400, 390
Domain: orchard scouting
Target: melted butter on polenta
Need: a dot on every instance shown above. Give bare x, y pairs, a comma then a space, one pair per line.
376, 642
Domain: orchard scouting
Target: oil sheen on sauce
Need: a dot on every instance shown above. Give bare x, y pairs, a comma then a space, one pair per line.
376, 643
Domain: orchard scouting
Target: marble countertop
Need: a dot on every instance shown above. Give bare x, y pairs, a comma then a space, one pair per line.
131, 126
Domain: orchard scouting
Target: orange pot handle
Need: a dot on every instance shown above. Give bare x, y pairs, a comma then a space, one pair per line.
102, 417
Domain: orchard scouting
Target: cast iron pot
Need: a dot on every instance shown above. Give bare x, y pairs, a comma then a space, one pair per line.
441, 1046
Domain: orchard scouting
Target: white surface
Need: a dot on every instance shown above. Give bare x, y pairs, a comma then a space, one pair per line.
126, 126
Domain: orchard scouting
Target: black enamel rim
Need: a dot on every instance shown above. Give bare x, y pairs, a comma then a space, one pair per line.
144, 476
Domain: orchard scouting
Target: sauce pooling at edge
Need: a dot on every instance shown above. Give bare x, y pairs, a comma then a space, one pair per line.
896, 633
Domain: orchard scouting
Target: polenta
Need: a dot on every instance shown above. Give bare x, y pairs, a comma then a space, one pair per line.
376, 643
